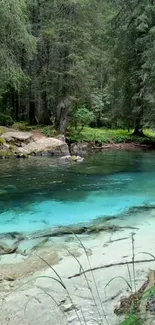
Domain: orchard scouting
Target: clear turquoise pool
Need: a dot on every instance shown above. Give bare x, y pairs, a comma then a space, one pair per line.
39, 193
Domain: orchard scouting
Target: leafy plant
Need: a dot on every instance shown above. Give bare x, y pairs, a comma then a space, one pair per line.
6, 120
83, 118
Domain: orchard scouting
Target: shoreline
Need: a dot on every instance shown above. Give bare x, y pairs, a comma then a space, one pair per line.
102, 248
21, 144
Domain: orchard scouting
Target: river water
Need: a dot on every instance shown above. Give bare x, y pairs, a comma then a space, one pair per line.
40, 193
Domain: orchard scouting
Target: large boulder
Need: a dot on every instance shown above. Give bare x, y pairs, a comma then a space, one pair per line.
44, 147
17, 137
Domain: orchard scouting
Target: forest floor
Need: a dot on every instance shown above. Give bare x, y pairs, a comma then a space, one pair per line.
53, 295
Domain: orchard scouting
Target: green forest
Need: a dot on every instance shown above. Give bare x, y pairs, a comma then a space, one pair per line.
78, 61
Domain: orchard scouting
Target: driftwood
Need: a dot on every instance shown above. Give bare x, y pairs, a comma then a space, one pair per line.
110, 265
102, 147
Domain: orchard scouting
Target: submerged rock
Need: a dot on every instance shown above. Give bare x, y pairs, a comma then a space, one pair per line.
72, 158
81, 148
4, 249
77, 230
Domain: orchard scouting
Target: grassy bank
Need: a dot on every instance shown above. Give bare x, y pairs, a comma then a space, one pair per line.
108, 136
88, 134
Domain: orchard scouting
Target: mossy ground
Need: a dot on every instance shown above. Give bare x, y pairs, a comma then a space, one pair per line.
108, 136
6, 154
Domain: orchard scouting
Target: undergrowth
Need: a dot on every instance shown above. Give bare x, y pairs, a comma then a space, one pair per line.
108, 135
91, 134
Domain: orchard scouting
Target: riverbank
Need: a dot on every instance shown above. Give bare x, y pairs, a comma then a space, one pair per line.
45, 142
40, 299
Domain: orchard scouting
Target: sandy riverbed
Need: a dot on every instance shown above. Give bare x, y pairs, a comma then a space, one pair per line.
36, 302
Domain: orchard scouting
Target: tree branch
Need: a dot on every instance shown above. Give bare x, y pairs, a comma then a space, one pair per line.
109, 265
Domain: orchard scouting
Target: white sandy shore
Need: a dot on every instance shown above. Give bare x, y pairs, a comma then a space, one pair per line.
30, 304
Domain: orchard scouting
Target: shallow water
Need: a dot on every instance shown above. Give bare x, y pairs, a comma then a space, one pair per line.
39, 193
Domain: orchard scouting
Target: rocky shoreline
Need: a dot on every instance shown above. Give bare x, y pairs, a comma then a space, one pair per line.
19, 144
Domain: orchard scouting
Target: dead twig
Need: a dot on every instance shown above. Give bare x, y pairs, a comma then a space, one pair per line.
109, 265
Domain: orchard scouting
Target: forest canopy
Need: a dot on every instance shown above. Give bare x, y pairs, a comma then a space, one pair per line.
62, 62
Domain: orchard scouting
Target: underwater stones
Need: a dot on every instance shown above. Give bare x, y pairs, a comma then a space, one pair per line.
75, 229
4, 249
71, 159
81, 148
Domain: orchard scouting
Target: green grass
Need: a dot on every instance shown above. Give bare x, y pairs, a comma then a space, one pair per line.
49, 131
108, 135
24, 126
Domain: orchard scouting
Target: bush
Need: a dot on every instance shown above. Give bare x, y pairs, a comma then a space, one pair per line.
49, 131
6, 120
84, 116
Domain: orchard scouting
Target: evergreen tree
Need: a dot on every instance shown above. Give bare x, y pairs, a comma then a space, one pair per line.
16, 48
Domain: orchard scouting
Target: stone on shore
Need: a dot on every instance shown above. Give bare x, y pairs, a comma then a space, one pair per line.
22, 144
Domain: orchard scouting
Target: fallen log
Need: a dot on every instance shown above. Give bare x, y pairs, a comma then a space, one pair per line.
110, 265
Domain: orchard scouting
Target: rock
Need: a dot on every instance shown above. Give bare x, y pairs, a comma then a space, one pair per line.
45, 147
4, 249
68, 307
60, 137
77, 158
18, 137
10, 278
72, 319
71, 158
81, 148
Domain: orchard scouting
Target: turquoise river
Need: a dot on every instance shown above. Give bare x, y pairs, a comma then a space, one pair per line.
40, 193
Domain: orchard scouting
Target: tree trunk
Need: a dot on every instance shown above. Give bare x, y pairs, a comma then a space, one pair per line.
62, 115
41, 111
138, 131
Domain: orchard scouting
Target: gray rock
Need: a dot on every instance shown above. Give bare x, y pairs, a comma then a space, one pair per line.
68, 307
72, 158
18, 137
81, 148
45, 147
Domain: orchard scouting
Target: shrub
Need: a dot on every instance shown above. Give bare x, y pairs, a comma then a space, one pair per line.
6, 120
49, 131
84, 116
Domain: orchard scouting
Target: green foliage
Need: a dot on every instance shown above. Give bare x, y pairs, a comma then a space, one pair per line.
6, 154
149, 293
78, 62
109, 136
2, 141
24, 126
6, 120
49, 131
2, 130
83, 117
131, 320
17, 43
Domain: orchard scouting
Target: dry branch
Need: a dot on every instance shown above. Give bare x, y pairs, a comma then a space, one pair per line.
110, 265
